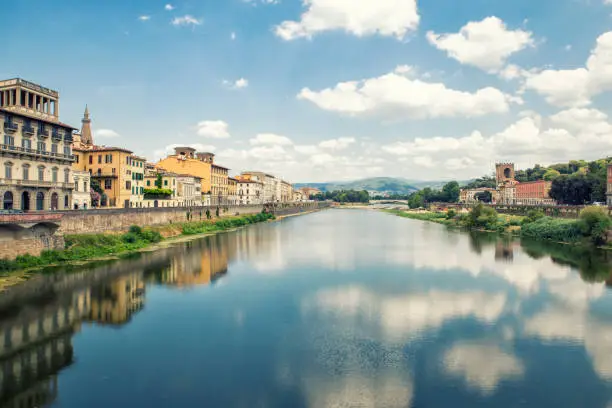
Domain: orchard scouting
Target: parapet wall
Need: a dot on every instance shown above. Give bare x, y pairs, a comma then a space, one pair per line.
117, 220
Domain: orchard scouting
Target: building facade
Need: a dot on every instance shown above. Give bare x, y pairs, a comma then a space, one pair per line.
534, 193
249, 191
609, 186
271, 188
469, 196
286, 194
117, 172
35, 153
81, 196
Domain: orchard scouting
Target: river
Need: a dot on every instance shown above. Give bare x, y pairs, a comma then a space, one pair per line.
340, 308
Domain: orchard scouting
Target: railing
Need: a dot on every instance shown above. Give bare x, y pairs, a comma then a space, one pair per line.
10, 126
56, 135
43, 132
34, 152
28, 129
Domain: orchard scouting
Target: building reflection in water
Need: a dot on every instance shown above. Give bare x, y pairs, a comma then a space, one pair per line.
199, 262
115, 303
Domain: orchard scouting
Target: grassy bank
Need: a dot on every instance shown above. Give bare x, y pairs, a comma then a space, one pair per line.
85, 247
591, 228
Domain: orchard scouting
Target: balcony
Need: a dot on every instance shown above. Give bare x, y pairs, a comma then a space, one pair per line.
10, 127
29, 183
104, 175
28, 129
43, 132
55, 135
35, 153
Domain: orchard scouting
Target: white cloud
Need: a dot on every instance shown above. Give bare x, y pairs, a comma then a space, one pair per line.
307, 149
337, 144
424, 161
365, 17
169, 7
237, 84
265, 2
483, 366
105, 133
576, 87
396, 95
144, 18
186, 20
215, 129
270, 139
233, 36
484, 44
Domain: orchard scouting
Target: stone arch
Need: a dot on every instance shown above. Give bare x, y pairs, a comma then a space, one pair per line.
40, 201
25, 201
7, 200
66, 202
54, 201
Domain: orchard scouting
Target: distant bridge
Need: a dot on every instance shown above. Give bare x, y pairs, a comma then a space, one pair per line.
375, 202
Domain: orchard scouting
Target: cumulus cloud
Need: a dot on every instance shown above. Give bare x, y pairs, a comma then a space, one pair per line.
186, 20
237, 84
337, 144
169, 7
270, 139
215, 129
484, 44
366, 17
576, 87
398, 95
144, 18
105, 133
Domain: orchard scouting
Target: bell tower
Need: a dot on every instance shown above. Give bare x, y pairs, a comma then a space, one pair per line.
86, 136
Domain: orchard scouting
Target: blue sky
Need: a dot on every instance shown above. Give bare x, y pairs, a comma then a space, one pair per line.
430, 89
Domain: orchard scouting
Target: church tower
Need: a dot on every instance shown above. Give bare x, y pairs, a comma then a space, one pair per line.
86, 137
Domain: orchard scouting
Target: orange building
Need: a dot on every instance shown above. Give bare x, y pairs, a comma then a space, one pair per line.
534, 193
609, 189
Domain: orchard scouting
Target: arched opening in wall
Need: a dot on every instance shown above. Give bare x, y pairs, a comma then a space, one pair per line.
76, 205
66, 202
54, 201
40, 201
7, 201
507, 172
25, 201
155, 203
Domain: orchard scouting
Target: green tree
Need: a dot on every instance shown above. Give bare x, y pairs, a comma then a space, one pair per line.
594, 224
575, 189
450, 192
551, 174
158, 181
484, 196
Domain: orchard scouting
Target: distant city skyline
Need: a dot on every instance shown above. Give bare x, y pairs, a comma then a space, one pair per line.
287, 87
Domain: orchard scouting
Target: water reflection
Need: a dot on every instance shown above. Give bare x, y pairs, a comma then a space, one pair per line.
340, 308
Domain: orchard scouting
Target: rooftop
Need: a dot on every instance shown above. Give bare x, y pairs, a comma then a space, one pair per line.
30, 85
103, 149
32, 116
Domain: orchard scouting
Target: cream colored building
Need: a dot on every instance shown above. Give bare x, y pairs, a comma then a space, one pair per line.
249, 191
271, 189
189, 190
286, 192
35, 153
81, 196
232, 191
298, 196
118, 172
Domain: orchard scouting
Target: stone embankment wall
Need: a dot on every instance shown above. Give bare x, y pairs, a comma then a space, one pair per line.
559, 211
117, 220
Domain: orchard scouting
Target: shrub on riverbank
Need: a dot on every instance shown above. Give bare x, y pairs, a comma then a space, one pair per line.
554, 229
224, 224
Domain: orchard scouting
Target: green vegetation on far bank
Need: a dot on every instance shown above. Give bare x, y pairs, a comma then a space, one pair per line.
84, 247
591, 228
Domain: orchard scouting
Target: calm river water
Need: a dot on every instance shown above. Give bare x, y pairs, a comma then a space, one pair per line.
341, 308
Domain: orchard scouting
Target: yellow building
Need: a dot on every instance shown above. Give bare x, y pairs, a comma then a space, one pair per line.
116, 302
118, 172
214, 178
232, 194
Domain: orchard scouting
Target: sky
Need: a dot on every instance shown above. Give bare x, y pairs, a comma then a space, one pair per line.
328, 90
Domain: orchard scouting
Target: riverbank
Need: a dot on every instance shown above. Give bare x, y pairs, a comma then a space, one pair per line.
82, 249
590, 229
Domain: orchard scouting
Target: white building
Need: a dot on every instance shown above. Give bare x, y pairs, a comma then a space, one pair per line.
249, 191
81, 195
270, 185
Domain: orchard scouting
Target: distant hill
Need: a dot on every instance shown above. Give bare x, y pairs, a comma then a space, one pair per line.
382, 184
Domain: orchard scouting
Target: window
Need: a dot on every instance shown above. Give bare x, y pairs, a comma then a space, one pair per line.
66, 176
26, 143
8, 200
26, 172
9, 140
85, 186
76, 186
41, 174
67, 152
132, 190
127, 160
54, 175
141, 190
108, 184
165, 182
108, 158
90, 159
41, 127
53, 147
128, 185
148, 183
113, 170
99, 172
99, 159
76, 158
8, 170
41, 146
66, 201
